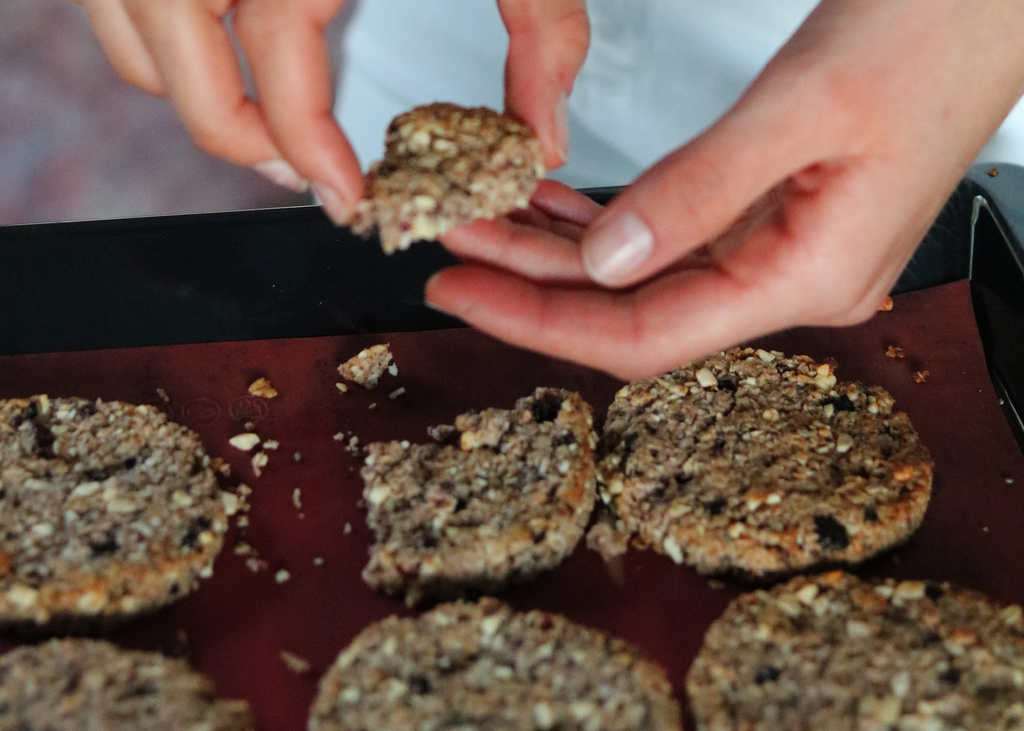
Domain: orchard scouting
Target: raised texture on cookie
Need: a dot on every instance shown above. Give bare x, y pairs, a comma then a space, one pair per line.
88, 685
483, 666
837, 652
756, 463
107, 510
498, 497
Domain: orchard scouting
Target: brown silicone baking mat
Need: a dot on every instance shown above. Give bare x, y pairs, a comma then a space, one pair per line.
238, 623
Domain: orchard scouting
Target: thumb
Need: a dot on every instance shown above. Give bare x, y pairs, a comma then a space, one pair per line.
697, 192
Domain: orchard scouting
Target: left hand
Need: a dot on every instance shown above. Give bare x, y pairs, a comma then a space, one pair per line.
801, 206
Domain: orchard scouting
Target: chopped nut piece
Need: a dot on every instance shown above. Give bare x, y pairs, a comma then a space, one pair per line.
296, 664
339, 437
163, 396
297, 498
261, 388
895, 351
342, 387
886, 305
244, 442
921, 376
259, 461
396, 393
282, 576
271, 444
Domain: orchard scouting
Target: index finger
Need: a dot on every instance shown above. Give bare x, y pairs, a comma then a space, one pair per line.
290, 62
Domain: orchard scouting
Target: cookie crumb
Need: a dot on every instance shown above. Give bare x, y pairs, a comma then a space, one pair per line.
244, 442
261, 388
921, 376
366, 367
992, 172
895, 351
886, 305
298, 665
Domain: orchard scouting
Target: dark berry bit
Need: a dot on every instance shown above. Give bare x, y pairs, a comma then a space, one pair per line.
871, 513
546, 407
951, 676
832, 534
727, 384
715, 507
419, 684
840, 403
766, 674
933, 591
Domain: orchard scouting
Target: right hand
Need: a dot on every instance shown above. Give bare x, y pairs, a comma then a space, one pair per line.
181, 49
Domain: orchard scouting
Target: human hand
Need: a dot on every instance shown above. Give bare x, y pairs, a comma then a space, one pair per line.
181, 49
799, 207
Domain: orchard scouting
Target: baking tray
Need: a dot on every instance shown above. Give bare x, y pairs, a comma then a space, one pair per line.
198, 307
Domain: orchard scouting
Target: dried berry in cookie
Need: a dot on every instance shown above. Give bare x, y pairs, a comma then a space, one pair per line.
446, 165
482, 666
106, 510
836, 652
87, 685
498, 497
759, 464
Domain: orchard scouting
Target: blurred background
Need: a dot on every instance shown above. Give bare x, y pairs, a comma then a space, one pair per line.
78, 143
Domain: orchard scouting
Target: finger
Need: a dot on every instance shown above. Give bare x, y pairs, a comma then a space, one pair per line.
694, 194
193, 51
548, 41
291, 68
123, 46
629, 334
535, 253
561, 202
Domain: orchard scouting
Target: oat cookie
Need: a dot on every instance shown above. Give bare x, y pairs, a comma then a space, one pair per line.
484, 667
446, 165
839, 653
87, 685
759, 464
106, 510
496, 498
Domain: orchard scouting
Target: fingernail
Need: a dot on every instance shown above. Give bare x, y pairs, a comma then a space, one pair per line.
616, 248
332, 203
280, 172
562, 126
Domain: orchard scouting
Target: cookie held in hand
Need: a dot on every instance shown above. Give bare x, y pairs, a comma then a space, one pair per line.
446, 165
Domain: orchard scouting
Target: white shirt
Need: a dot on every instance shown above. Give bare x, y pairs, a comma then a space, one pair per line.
657, 74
